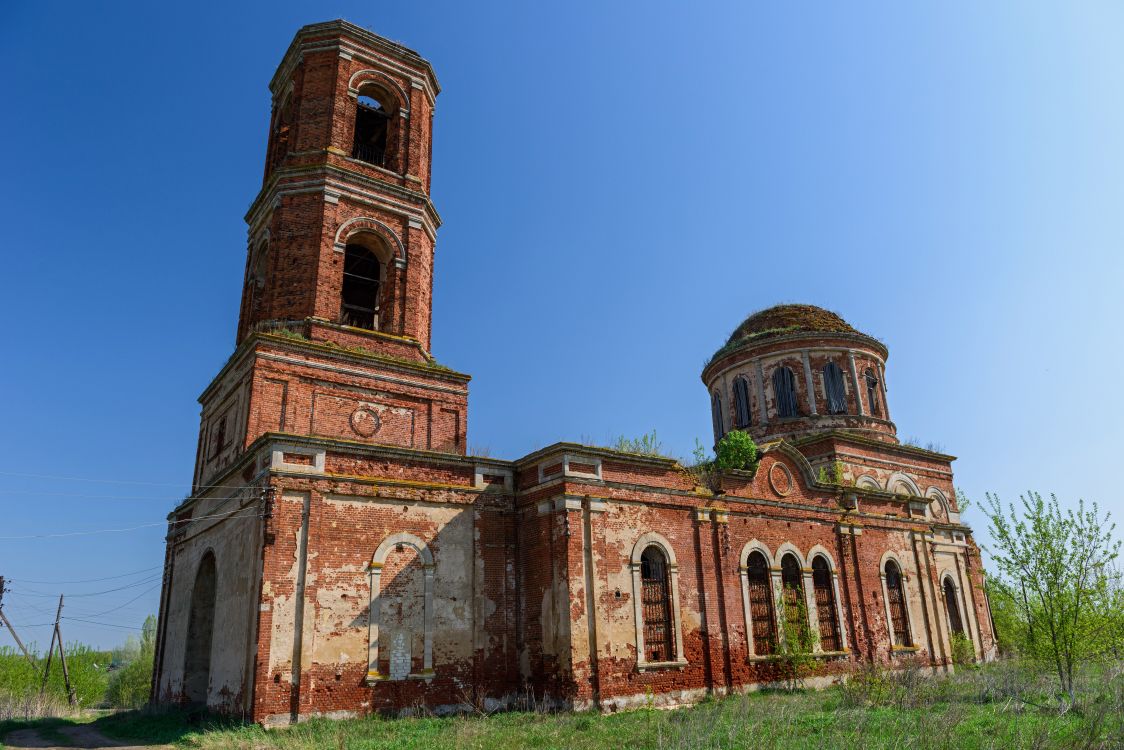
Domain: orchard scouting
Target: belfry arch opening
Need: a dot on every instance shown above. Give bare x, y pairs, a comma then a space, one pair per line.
200, 633
362, 281
374, 139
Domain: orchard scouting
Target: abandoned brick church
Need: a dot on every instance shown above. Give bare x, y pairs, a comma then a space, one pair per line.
341, 554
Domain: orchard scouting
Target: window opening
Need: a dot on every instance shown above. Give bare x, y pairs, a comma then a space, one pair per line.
359, 305
656, 601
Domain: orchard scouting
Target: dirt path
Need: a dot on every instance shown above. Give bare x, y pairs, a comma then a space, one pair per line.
81, 735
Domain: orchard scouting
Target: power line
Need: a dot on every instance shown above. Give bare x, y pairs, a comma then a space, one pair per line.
38, 493
132, 585
89, 580
102, 624
111, 531
115, 481
126, 604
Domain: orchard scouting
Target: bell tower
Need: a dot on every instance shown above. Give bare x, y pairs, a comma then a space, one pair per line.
333, 338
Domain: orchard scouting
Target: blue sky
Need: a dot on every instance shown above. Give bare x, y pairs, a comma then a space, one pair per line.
621, 183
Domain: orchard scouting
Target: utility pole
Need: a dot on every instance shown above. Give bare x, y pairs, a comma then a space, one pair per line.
51, 649
56, 634
8, 623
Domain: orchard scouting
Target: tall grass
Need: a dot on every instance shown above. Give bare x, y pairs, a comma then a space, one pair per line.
1005, 706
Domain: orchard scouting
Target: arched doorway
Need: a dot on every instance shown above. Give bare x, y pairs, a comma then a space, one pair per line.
200, 629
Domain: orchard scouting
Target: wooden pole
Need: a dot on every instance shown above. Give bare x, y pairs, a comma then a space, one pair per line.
65, 673
19, 643
51, 650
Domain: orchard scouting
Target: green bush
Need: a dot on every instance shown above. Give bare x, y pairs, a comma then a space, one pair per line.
130, 684
736, 450
963, 651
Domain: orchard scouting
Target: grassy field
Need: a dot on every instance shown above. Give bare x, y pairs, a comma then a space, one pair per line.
1000, 706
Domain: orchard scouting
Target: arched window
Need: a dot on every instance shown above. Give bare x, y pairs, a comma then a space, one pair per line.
836, 393
792, 580
955, 624
372, 128
872, 393
716, 415
825, 604
761, 611
784, 388
659, 633
359, 299
741, 402
895, 601
200, 633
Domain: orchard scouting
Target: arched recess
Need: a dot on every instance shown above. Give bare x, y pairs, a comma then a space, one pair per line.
758, 599
362, 79
200, 632
825, 583
637, 564
900, 484
935, 495
951, 594
867, 482
353, 228
895, 595
396, 543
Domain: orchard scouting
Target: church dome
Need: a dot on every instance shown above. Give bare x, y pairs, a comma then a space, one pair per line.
785, 319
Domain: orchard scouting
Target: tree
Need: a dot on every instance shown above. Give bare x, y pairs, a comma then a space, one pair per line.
129, 686
1056, 571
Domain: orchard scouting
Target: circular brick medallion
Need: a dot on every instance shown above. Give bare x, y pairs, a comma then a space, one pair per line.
780, 479
365, 421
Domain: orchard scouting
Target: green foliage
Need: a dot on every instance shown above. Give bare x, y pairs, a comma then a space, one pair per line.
798, 639
998, 706
130, 684
834, 476
963, 650
1056, 573
87, 667
736, 450
645, 445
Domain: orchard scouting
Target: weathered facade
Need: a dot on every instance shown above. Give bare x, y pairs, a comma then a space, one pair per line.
341, 554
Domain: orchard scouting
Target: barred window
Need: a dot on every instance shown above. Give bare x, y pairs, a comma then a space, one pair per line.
761, 613
741, 402
955, 623
793, 582
659, 634
895, 593
825, 604
836, 393
359, 303
784, 389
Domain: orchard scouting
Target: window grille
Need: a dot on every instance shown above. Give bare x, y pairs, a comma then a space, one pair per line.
784, 388
836, 393
825, 605
761, 605
895, 592
793, 582
656, 604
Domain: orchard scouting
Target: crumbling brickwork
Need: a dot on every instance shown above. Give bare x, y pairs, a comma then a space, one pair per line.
363, 563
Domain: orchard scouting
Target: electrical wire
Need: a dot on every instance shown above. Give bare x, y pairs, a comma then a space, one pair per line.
111, 531
88, 580
126, 604
115, 481
151, 579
